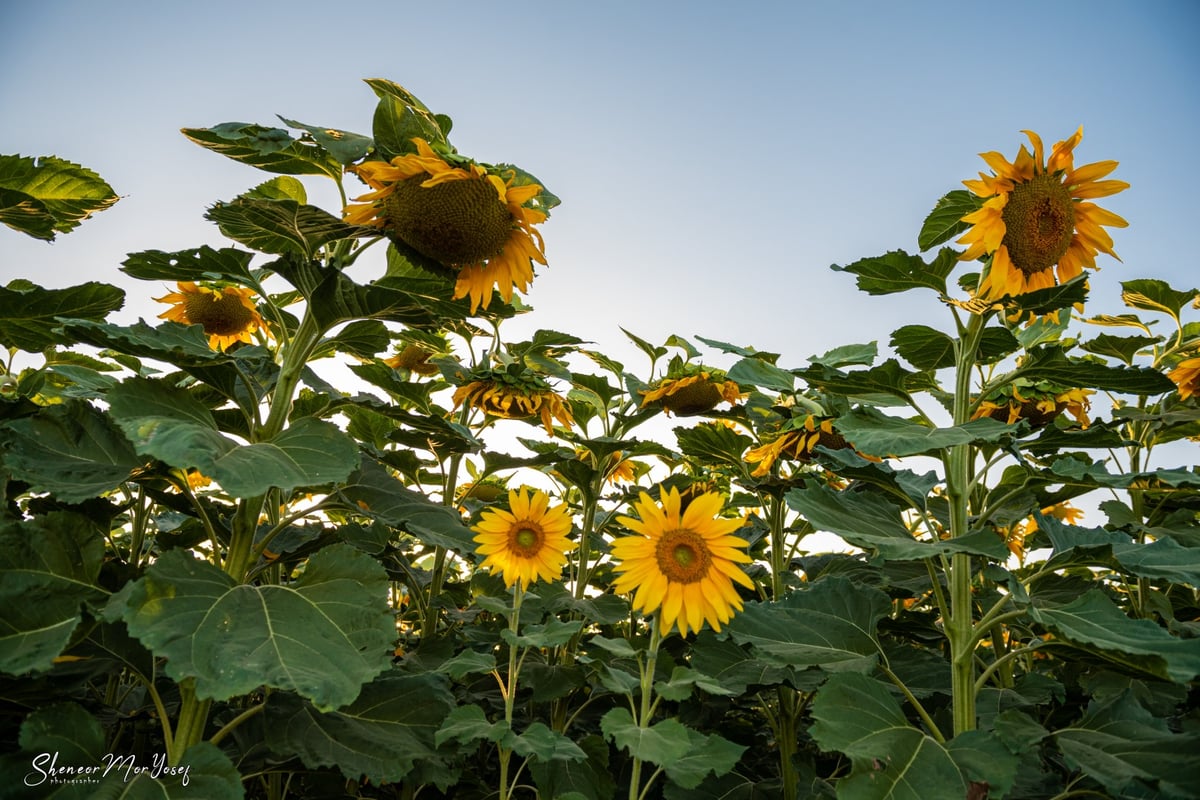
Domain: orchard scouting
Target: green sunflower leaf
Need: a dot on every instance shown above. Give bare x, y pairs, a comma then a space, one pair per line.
281, 226
1096, 474
364, 338
345, 146
49, 566
322, 636
1164, 559
546, 745
1130, 752
45, 196
588, 779
1093, 623
713, 443
924, 347
830, 624
1154, 295
897, 271
28, 314
757, 372
268, 149
709, 754
1122, 347
732, 666
371, 491
396, 123
945, 221
381, 735
466, 724
169, 424
197, 264
877, 434
663, 743
70, 450
886, 379
858, 716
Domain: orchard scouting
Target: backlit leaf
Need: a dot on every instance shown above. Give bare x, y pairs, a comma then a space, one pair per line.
898, 271
28, 316
269, 149
48, 195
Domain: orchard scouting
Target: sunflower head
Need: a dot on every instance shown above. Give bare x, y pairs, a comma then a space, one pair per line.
514, 394
797, 441
475, 221
682, 562
526, 543
1186, 375
227, 313
1036, 403
1017, 534
414, 358
689, 390
1034, 222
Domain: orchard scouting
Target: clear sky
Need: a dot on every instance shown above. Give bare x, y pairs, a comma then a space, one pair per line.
713, 158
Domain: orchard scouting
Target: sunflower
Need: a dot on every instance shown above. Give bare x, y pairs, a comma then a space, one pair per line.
465, 218
687, 395
797, 443
1038, 404
227, 313
1187, 377
1016, 535
1035, 220
503, 394
413, 358
527, 543
684, 561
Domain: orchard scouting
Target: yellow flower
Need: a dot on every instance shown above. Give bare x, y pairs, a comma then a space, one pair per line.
1187, 377
692, 394
1016, 535
796, 443
1038, 405
413, 358
1036, 221
227, 314
683, 561
465, 218
509, 397
527, 543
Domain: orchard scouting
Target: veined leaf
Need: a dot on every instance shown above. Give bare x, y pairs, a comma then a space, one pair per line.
662, 743
197, 264
323, 636
28, 315
877, 434
345, 146
709, 754
589, 779
373, 492
380, 735
269, 149
898, 271
182, 345
1154, 295
923, 347
47, 195
945, 221
281, 226
1051, 364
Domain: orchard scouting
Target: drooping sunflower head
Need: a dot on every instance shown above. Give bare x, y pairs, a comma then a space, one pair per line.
511, 394
1186, 375
1035, 221
682, 562
1037, 403
526, 543
1018, 534
688, 390
473, 220
796, 441
227, 313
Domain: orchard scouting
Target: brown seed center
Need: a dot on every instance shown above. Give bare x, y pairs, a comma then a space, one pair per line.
457, 223
1039, 222
526, 538
221, 315
683, 556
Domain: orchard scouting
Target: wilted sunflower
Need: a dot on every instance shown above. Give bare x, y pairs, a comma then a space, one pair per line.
227, 313
690, 394
414, 358
1038, 404
1187, 377
1036, 220
527, 543
465, 218
503, 394
684, 561
1016, 535
796, 443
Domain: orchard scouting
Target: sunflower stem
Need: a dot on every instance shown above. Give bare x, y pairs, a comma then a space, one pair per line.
510, 691
647, 700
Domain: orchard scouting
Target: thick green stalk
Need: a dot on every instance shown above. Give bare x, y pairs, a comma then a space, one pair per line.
960, 628
647, 704
510, 694
193, 718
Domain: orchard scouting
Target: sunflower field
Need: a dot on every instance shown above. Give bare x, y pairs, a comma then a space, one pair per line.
315, 535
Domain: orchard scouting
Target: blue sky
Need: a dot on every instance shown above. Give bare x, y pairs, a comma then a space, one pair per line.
713, 158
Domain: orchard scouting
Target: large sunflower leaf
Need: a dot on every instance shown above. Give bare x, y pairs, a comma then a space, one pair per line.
897, 271
269, 149
945, 221
709, 754
373, 492
70, 449
48, 569
731, 665
281, 226
68, 731
169, 424
323, 636
1154, 295
858, 716
1122, 347
870, 521
380, 735
830, 624
183, 345
1131, 752
758, 372
589, 779
888, 378
877, 434
28, 312
399, 118
197, 264
924, 347
1096, 474
345, 146
1164, 559
662, 743
713, 443
47, 195
1094, 623
1051, 364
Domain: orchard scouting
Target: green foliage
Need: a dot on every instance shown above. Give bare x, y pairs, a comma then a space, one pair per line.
46, 196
